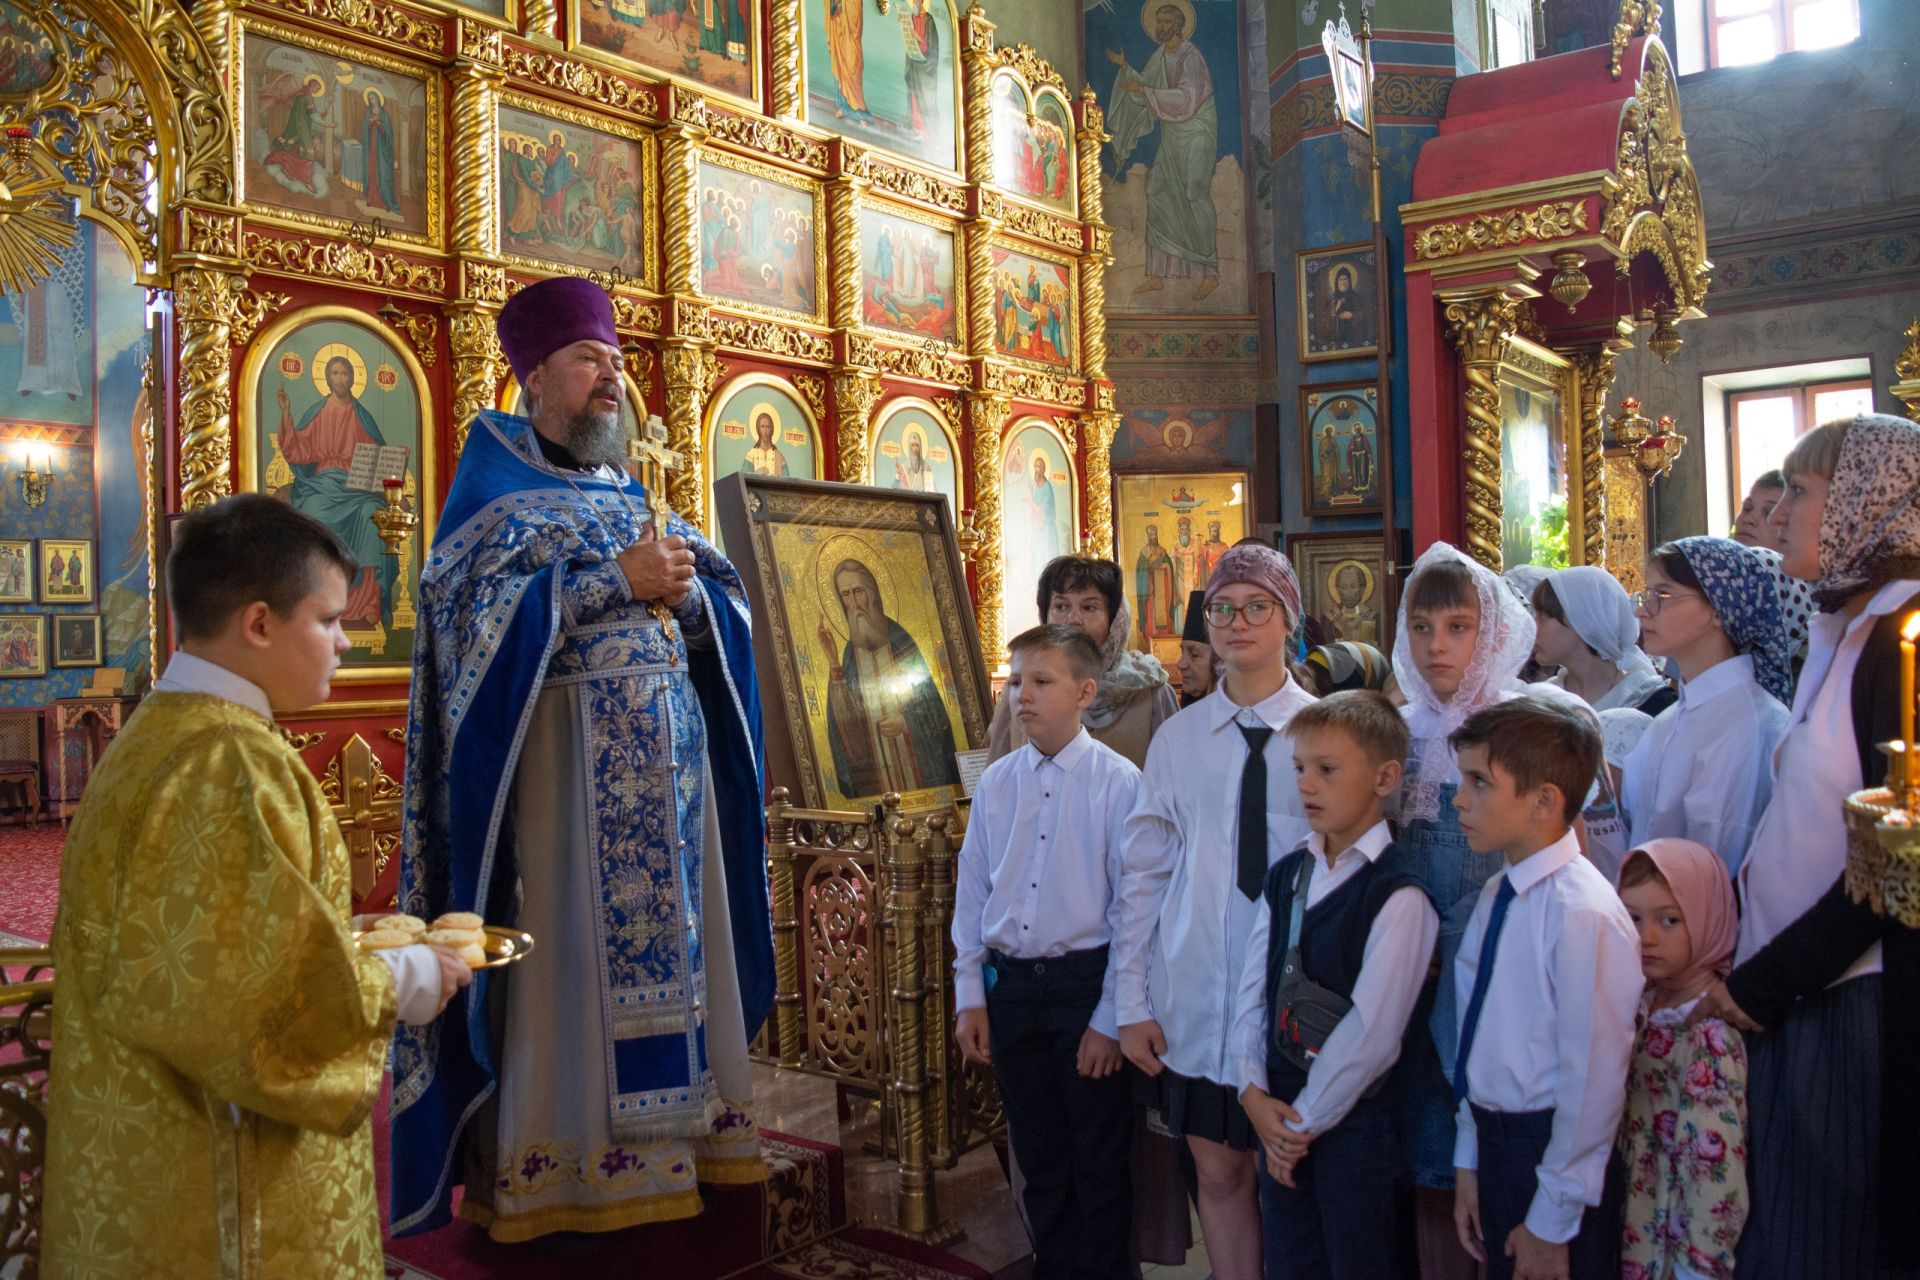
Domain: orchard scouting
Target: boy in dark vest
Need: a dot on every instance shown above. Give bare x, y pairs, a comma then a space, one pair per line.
1334, 966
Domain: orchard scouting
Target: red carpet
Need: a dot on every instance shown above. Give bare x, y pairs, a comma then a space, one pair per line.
29, 880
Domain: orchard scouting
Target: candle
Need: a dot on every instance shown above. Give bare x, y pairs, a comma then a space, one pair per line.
1909, 633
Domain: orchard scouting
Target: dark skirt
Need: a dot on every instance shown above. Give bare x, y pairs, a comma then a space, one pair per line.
1813, 1141
1199, 1108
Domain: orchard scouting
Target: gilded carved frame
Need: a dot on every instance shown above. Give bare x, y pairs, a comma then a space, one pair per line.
857, 283
648, 278
724, 395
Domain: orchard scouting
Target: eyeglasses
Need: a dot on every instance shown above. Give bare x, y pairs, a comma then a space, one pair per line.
1650, 602
1256, 612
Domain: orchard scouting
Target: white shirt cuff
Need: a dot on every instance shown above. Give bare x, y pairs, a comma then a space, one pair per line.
1466, 1141
969, 988
1251, 1071
416, 982
1104, 1021
1554, 1220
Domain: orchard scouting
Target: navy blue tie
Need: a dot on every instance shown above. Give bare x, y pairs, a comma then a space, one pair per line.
1482, 975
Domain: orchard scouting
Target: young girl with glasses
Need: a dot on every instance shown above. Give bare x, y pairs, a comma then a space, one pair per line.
1703, 772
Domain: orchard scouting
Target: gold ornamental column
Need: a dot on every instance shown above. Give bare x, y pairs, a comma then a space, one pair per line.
472, 321
1093, 262
1482, 322
977, 59
1595, 369
855, 392
988, 413
917, 1212
688, 368
1098, 429
206, 303
1907, 366
788, 91
786, 926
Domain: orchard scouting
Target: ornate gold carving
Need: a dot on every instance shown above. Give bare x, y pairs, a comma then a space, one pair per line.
1482, 326
987, 413
250, 311
769, 338
381, 21
1045, 227
339, 260
481, 42
690, 318
581, 80
639, 314
1093, 314
813, 389
680, 205
205, 304
210, 232
1637, 17
913, 184
213, 21
1907, 366
978, 246
421, 328
1030, 384
479, 366
1200, 389
1033, 68
1595, 370
977, 62
302, 741
766, 137
483, 282
1626, 510
366, 804
855, 392
766, 173
788, 90
920, 362
1100, 432
686, 107
1653, 198
476, 192
543, 18
689, 374
1496, 230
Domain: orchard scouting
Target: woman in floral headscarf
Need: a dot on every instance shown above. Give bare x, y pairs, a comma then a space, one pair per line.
1834, 1147
1703, 771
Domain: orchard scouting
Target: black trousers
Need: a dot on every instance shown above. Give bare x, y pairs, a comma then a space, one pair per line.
1349, 1214
1511, 1144
1071, 1134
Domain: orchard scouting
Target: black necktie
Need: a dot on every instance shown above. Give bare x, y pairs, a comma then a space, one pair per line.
1253, 812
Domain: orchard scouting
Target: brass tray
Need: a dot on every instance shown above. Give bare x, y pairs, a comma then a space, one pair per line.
503, 946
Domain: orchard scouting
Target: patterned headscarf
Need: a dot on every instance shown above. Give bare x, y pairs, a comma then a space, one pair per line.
1125, 673
1740, 588
1506, 641
1796, 599
1263, 567
1873, 506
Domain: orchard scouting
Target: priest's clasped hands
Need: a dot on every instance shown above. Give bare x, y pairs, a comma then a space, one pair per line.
658, 568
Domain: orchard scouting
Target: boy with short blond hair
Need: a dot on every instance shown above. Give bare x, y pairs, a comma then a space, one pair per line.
1549, 981
1334, 967
1035, 909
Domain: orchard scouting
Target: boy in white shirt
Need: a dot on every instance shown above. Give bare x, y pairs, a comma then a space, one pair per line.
1347, 913
1035, 908
1549, 981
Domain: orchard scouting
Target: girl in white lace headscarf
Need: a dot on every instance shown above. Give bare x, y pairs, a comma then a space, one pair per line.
1586, 627
1462, 639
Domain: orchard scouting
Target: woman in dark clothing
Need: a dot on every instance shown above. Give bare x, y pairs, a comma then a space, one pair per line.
1834, 1123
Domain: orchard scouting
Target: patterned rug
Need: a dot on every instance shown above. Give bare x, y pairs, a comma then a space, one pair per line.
29, 881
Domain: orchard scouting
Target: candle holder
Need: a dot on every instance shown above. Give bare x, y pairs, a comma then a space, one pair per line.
1883, 823
396, 521
34, 482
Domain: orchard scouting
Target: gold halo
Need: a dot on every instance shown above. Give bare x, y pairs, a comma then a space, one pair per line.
1152, 7
847, 546
368, 96
1334, 572
913, 433
325, 355
753, 420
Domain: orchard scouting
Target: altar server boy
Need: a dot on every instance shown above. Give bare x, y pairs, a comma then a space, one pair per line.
1334, 966
1549, 981
1034, 914
218, 1040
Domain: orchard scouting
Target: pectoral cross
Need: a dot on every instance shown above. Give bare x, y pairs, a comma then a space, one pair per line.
649, 450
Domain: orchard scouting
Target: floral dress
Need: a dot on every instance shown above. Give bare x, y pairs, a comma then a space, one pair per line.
1683, 1141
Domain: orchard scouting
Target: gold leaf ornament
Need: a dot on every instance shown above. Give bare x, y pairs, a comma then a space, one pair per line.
35, 233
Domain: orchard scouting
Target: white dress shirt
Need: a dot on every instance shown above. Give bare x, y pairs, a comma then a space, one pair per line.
1039, 870
1393, 967
1703, 770
416, 972
1800, 848
1184, 921
1556, 1029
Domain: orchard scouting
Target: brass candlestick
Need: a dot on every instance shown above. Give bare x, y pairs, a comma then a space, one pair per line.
1883, 823
396, 521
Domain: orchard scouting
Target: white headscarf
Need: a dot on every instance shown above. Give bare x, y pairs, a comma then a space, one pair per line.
1523, 578
1601, 613
1506, 641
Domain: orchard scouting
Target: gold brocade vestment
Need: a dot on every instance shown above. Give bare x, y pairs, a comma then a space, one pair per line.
217, 1042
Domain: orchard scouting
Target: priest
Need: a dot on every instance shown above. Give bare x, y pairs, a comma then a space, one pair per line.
583, 762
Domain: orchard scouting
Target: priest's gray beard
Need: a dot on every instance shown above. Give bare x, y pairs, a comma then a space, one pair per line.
597, 438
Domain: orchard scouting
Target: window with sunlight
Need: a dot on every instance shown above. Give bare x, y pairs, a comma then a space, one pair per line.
1742, 32
1764, 424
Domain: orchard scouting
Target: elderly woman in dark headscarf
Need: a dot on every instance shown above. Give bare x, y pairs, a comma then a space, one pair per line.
1135, 696
1828, 972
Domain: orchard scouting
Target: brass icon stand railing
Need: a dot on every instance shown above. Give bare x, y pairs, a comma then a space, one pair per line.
863, 965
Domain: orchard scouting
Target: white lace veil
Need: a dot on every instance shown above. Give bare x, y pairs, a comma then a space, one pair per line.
1601, 614
1506, 641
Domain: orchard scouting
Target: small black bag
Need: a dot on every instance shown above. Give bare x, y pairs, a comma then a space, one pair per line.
1305, 1013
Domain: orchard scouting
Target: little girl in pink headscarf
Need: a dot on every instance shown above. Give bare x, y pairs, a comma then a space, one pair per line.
1683, 1136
